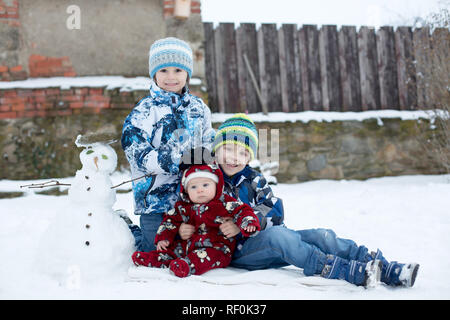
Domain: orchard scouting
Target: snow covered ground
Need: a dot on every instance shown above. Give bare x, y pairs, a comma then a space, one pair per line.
407, 217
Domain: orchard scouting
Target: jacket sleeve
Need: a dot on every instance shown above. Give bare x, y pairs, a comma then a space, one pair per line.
169, 226
137, 136
243, 216
267, 207
208, 131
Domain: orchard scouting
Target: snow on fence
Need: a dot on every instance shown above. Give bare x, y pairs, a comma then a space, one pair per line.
294, 69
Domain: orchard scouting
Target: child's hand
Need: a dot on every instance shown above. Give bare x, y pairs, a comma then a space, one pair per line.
250, 229
186, 231
162, 245
229, 229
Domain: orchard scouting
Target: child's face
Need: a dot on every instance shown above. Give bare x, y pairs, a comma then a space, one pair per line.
232, 158
171, 79
201, 190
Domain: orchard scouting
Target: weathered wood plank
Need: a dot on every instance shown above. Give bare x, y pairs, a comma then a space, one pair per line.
387, 68
220, 80
230, 67
440, 78
349, 69
421, 44
329, 68
247, 45
368, 66
406, 70
270, 66
210, 66
303, 65
309, 36
289, 65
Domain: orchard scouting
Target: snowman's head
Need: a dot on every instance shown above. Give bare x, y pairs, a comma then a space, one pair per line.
99, 157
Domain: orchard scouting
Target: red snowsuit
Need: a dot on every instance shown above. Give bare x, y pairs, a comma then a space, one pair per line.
207, 248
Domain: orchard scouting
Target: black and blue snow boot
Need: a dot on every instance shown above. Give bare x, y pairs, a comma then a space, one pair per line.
356, 272
394, 273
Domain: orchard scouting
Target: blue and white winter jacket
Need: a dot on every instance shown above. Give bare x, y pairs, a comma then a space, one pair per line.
154, 135
250, 187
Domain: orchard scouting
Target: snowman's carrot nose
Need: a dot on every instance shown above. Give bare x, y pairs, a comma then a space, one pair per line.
95, 161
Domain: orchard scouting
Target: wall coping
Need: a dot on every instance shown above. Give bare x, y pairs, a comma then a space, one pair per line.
110, 82
329, 116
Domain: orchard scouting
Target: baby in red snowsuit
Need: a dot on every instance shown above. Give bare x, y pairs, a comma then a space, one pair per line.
203, 205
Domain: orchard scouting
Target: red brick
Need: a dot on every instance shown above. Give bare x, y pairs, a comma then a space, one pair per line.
16, 68
70, 74
4, 108
24, 93
97, 98
45, 105
39, 92
196, 10
8, 115
81, 91
3, 69
76, 105
72, 98
96, 91
18, 106
52, 91
9, 93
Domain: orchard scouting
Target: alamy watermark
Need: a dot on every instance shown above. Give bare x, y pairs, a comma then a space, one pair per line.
73, 22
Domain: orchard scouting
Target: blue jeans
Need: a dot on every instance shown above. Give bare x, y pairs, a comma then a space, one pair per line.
145, 235
279, 246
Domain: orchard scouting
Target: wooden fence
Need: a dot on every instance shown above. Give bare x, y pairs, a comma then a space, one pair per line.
294, 69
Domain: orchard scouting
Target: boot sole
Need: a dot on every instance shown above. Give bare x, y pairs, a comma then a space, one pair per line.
415, 269
373, 273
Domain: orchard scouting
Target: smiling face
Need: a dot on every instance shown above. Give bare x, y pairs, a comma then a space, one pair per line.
201, 190
171, 79
232, 158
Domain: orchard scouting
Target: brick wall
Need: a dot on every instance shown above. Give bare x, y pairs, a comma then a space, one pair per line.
48, 102
9, 12
26, 54
169, 7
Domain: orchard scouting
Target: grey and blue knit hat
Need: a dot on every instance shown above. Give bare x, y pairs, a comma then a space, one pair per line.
170, 52
240, 130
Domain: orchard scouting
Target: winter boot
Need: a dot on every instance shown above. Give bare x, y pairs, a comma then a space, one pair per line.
358, 273
180, 267
394, 273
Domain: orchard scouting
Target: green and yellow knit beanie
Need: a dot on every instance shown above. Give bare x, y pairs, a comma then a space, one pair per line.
240, 130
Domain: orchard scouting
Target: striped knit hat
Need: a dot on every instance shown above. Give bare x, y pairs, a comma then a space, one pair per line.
240, 130
170, 52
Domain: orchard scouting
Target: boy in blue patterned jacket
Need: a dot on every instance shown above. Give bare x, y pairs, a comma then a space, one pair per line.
316, 251
162, 125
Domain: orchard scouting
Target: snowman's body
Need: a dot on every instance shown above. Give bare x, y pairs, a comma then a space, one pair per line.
88, 240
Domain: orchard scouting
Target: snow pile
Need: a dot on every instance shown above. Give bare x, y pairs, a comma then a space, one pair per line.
110, 82
329, 116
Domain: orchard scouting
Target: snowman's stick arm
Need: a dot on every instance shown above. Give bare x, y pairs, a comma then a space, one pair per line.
144, 176
45, 184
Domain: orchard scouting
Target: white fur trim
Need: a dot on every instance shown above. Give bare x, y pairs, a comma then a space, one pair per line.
200, 174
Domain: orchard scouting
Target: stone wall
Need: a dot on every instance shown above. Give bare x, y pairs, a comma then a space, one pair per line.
43, 147
351, 149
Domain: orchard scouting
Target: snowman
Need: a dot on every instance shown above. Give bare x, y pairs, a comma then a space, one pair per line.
88, 241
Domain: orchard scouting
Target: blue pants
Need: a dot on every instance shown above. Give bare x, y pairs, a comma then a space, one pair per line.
279, 246
145, 235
